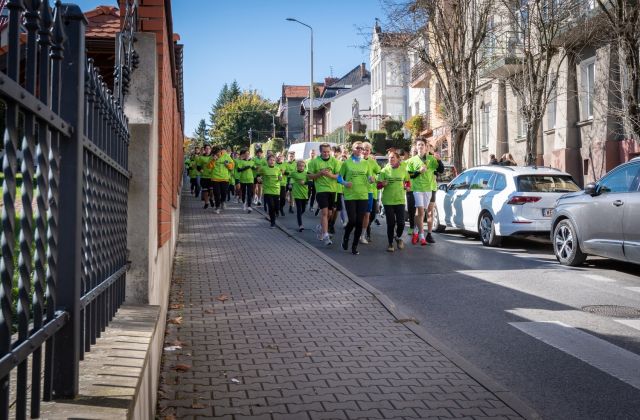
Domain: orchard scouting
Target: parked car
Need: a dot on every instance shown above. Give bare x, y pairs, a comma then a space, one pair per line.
382, 161
303, 150
602, 220
497, 201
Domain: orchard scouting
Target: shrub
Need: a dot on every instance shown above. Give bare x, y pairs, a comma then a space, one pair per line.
378, 141
390, 126
415, 125
353, 137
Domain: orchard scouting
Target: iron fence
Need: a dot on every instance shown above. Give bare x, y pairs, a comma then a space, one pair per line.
63, 244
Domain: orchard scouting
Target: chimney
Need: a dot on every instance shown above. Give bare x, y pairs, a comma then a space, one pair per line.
363, 71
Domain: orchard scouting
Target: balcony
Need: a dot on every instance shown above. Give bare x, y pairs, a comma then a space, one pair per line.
501, 56
419, 75
582, 21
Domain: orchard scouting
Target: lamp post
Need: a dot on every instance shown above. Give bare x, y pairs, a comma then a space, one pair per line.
311, 122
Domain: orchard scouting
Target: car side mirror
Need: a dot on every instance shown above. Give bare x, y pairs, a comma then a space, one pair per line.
443, 187
591, 189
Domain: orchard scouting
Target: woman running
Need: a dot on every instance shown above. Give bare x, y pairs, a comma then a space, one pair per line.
394, 179
271, 176
300, 190
245, 169
355, 175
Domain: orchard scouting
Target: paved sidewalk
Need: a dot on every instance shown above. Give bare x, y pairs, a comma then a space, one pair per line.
269, 329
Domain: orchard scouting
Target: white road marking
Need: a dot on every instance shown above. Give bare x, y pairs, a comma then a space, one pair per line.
596, 277
633, 289
633, 323
611, 359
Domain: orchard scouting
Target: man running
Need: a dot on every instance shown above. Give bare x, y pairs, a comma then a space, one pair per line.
355, 176
270, 176
323, 170
421, 169
394, 179
206, 164
245, 169
300, 190
223, 165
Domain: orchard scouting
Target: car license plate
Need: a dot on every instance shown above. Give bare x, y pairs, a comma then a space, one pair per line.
547, 212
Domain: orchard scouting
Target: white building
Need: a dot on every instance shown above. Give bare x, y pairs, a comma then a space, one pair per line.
389, 77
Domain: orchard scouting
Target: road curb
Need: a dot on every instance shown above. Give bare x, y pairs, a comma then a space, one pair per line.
507, 397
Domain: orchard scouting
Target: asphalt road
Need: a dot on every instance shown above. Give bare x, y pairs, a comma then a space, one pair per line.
516, 314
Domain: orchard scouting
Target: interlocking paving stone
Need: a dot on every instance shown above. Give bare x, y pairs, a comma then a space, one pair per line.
269, 330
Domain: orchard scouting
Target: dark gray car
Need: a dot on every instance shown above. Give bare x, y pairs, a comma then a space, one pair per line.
602, 220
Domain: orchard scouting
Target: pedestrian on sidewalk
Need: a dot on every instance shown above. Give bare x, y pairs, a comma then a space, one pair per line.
355, 176
245, 175
270, 176
323, 170
300, 190
421, 169
394, 181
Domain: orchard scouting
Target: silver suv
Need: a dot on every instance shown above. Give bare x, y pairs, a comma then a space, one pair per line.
602, 220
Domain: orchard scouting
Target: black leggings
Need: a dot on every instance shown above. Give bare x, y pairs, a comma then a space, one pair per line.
246, 192
395, 219
272, 203
220, 192
283, 197
356, 209
301, 206
312, 194
372, 215
411, 207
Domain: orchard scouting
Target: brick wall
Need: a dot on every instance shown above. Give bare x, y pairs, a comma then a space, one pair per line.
155, 17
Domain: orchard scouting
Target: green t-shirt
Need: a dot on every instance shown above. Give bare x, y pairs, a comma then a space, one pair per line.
375, 170
324, 183
291, 168
223, 165
394, 192
259, 162
358, 174
207, 164
270, 179
192, 167
246, 176
299, 186
426, 181
284, 170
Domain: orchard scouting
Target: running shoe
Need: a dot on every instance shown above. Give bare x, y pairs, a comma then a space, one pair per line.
390, 248
355, 252
430, 238
217, 211
317, 211
300, 228
414, 238
206, 205
249, 209
423, 241
363, 240
400, 243
273, 226
327, 240
368, 238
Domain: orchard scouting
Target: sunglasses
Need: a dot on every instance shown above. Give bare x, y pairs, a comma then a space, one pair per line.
359, 148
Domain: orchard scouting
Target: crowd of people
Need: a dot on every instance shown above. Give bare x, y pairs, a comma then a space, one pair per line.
332, 182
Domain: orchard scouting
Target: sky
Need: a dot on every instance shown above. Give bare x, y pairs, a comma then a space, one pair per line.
251, 42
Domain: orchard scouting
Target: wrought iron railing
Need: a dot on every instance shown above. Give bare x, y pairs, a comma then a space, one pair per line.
70, 245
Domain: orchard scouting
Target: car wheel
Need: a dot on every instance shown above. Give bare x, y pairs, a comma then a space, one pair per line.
436, 221
487, 231
565, 244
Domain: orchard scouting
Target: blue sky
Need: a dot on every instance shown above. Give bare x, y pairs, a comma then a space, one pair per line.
250, 41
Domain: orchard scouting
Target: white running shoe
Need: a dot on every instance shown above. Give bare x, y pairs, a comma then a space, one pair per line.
249, 209
217, 211
363, 240
327, 240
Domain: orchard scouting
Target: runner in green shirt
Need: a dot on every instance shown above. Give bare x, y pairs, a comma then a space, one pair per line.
291, 168
300, 190
323, 170
372, 204
223, 164
394, 179
337, 153
260, 162
421, 169
206, 165
355, 176
245, 168
284, 169
270, 176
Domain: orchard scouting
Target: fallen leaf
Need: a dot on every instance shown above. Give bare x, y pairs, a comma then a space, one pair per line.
222, 298
196, 404
272, 346
176, 306
177, 320
405, 320
308, 354
182, 368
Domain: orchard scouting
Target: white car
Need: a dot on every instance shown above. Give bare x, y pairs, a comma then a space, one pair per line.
496, 201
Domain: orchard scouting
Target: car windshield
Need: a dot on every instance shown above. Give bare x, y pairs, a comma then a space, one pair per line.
546, 183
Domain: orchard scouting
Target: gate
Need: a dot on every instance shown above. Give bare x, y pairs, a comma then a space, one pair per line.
64, 253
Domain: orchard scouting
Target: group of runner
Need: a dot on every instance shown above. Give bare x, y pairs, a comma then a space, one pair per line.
340, 185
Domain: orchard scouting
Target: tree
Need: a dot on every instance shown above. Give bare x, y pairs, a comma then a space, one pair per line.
624, 19
535, 34
447, 37
391, 126
201, 134
235, 118
415, 125
227, 94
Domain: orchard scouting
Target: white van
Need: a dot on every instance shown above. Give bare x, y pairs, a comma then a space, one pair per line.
303, 150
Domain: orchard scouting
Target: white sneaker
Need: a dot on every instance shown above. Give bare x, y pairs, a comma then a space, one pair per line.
249, 209
217, 211
363, 240
327, 240
244, 207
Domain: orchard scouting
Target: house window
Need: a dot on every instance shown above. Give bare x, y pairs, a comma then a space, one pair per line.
484, 125
552, 82
393, 74
588, 87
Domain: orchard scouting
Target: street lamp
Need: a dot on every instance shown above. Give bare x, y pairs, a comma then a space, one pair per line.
311, 85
